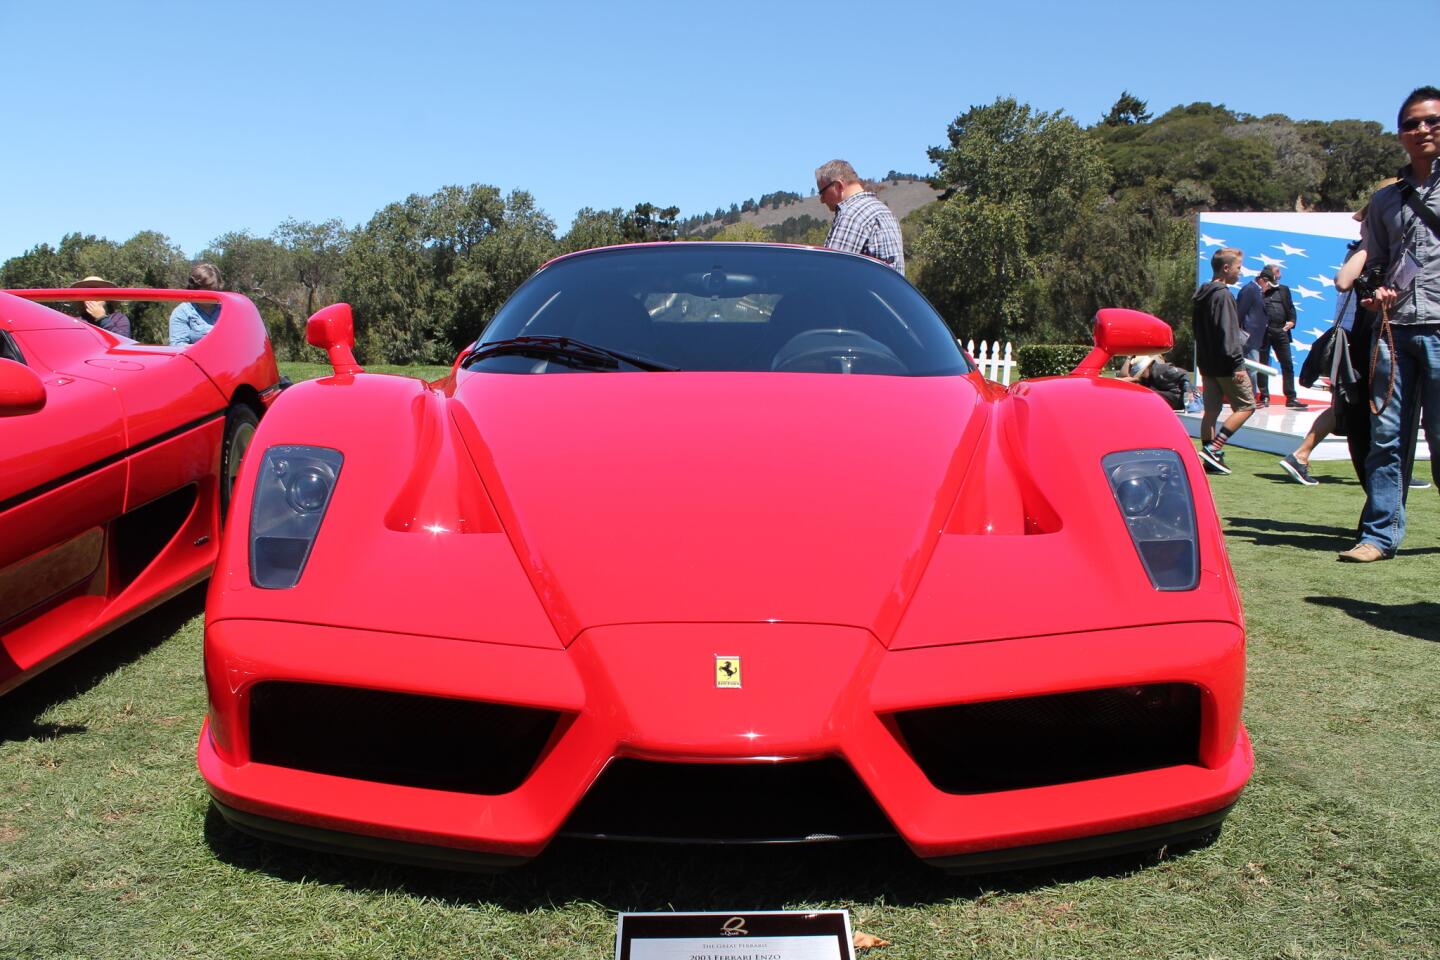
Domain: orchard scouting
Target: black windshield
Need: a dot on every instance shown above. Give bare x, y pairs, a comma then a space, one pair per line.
741, 307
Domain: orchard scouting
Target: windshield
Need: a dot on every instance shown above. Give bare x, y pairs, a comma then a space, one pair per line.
698, 306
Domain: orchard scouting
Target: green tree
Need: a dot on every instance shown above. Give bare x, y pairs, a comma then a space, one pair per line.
743, 232
1129, 109
426, 275
1015, 179
594, 228
647, 223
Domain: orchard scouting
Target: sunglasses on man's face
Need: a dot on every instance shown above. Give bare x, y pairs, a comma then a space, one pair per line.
1411, 124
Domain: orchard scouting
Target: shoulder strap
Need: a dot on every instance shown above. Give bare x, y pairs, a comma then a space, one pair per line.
1432, 221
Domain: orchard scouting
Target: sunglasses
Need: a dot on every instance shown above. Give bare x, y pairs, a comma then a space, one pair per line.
833, 182
1411, 124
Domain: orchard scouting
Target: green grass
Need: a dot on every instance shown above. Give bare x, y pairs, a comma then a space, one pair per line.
108, 849
298, 370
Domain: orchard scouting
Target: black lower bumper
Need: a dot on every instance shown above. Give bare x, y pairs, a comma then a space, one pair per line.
360, 845
1176, 833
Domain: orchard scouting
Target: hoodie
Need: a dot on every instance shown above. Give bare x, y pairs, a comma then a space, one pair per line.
1219, 341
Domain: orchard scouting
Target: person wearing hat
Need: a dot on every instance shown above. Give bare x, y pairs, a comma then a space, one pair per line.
1151, 370
103, 313
191, 321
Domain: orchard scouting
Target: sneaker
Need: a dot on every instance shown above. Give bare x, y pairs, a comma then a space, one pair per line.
1214, 460
1419, 483
1300, 472
1362, 553
1295, 405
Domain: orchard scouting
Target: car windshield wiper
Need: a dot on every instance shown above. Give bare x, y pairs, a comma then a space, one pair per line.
566, 348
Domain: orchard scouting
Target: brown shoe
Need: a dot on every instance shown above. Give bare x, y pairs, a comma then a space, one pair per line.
1362, 553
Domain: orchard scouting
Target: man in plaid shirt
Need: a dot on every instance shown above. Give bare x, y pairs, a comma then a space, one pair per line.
863, 224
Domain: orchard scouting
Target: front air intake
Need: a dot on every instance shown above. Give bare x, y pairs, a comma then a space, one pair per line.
405, 739
1061, 738
789, 802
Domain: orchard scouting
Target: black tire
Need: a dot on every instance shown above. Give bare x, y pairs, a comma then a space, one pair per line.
240, 424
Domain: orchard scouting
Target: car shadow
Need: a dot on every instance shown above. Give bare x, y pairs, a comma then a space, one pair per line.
1420, 619
1269, 532
1324, 481
636, 877
22, 708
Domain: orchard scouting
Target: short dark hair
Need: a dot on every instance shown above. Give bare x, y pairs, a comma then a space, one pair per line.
1418, 95
1268, 272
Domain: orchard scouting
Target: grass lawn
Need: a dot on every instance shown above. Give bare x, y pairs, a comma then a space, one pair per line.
108, 849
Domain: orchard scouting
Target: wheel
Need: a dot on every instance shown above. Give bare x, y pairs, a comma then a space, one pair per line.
240, 424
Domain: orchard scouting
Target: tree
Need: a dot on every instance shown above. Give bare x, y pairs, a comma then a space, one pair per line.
1014, 181
647, 223
426, 275
594, 228
743, 233
1128, 110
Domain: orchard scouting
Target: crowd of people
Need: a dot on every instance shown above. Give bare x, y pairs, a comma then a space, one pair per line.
1390, 313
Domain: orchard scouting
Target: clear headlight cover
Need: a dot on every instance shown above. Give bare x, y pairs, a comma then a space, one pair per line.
1153, 495
292, 492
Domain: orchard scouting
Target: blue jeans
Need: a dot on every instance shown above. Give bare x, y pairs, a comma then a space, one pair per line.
1392, 431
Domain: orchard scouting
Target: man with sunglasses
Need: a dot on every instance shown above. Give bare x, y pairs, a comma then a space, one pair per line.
1402, 238
863, 224
191, 321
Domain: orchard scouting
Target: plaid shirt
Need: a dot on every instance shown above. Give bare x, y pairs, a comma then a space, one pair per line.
863, 224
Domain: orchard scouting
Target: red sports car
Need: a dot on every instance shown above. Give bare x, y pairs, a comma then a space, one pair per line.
724, 542
116, 460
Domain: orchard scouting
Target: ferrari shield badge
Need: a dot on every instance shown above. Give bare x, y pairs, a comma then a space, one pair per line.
727, 671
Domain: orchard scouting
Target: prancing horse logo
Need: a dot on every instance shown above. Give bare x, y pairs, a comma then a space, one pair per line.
727, 671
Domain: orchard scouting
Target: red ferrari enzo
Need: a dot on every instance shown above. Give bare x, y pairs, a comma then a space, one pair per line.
116, 462
724, 542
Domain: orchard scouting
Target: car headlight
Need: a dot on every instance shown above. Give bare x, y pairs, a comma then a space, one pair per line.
292, 492
1153, 495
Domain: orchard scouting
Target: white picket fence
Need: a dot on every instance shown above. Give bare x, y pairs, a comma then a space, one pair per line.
995, 363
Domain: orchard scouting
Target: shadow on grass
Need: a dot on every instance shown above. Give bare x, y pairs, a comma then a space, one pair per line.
21, 708
635, 877
1269, 532
1420, 620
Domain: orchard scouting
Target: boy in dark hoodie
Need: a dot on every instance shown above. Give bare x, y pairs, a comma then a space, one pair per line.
1220, 355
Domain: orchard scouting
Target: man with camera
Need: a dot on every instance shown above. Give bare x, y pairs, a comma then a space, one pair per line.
1402, 247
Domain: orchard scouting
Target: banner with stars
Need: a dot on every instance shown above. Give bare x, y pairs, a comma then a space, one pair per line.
1307, 247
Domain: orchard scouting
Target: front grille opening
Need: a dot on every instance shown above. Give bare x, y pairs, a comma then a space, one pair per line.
787, 802
405, 739
1061, 738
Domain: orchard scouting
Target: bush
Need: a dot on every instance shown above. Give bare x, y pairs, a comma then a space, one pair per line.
1049, 359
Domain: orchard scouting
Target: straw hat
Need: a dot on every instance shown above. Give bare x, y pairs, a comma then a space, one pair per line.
93, 282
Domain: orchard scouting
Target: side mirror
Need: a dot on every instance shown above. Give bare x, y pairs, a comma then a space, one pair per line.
332, 329
21, 389
1123, 332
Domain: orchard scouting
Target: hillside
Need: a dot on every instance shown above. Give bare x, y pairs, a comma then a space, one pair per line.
901, 196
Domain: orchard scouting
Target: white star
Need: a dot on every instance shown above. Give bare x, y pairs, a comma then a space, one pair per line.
1247, 272
1316, 294
1300, 347
1268, 261
1323, 281
1315, 331
1335, 268
1290, 251
1211, 241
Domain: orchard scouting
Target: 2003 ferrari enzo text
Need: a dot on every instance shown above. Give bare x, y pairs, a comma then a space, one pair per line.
724, 542
116, 461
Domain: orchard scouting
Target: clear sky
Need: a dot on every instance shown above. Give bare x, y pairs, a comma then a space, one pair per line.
199, 118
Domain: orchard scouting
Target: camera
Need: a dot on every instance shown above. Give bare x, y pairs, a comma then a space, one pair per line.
1372, 279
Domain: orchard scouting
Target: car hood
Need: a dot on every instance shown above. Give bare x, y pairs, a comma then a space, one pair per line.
636, 498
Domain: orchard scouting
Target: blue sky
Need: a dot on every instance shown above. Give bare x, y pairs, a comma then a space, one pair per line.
198, 118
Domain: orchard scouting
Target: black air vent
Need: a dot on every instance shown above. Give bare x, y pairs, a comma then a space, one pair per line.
788, 802
1061, 738
405, 739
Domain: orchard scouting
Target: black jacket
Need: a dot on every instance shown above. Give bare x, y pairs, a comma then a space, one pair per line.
1219, 341
1279, 310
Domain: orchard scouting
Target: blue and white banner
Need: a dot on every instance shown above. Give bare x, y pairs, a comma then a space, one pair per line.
1307, 247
